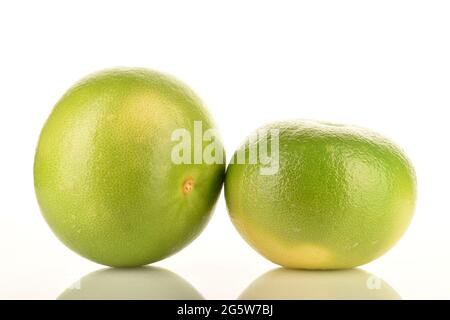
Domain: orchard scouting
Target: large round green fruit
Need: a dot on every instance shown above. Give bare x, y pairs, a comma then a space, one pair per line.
104, 172
336, 196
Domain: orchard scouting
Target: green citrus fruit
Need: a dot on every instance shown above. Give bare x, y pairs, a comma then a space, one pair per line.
340, 196
104, 174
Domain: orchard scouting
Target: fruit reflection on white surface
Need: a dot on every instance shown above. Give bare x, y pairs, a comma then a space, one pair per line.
146, 283
353, 284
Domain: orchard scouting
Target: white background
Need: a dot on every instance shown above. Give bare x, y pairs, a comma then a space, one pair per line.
384, 65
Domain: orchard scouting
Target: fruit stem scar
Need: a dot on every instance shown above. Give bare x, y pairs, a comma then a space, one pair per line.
188, 185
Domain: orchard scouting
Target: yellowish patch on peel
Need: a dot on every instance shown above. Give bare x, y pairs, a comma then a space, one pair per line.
304, 256
308, 256
144, 111
299, 256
